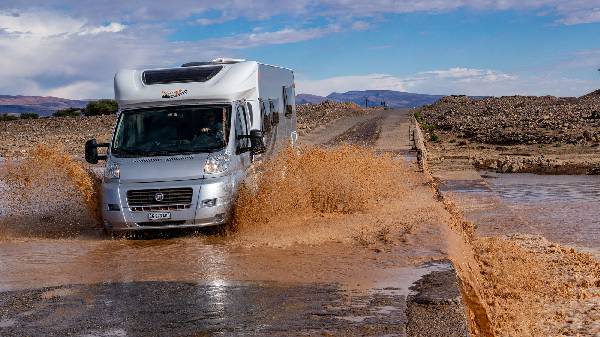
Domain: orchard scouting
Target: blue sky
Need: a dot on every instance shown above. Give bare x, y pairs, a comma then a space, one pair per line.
475, 47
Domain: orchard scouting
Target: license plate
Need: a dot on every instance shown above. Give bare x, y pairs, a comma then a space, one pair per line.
159, 216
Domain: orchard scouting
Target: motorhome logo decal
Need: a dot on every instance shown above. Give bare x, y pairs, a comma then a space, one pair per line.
174, 93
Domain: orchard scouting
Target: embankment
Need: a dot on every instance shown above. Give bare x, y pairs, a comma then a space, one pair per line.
549, 135
518, 285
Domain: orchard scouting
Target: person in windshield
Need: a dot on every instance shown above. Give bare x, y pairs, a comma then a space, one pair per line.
213, 125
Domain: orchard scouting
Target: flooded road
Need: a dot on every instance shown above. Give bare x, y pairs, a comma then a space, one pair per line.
357, 263
563, 209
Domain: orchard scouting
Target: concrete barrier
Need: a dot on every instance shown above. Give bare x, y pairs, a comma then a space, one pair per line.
418, 139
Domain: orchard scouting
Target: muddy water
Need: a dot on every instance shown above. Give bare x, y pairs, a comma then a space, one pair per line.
337, 250
564, 209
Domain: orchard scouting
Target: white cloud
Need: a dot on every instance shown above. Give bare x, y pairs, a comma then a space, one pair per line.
113, 27
76, 53
465, 75
283, 36
43, 24
326, 86
463, 81
361, 25
65, 56
581, 17
567, 12
80, 90
453, 80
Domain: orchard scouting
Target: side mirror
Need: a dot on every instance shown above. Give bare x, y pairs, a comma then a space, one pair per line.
91, 151
257, 145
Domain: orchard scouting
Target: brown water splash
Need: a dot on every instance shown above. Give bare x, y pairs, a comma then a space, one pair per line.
48, 194
312, 195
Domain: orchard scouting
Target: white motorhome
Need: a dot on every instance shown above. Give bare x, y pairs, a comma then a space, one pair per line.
185, 138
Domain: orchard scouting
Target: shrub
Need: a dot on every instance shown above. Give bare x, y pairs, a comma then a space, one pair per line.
101, 107
428, 127
7, 117
418, 116
434, 137
29, 115
68, 112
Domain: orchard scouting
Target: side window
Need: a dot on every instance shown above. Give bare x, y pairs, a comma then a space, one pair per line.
266, 116
273, 105
288, 101
251, 115
241, 127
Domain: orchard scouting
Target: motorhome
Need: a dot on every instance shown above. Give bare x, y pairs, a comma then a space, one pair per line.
185, 138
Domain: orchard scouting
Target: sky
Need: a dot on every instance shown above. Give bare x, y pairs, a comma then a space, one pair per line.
72, 49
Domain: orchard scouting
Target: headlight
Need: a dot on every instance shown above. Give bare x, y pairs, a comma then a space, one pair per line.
216, 164
112, 171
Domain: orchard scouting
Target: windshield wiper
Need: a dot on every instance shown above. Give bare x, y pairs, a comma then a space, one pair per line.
128, 152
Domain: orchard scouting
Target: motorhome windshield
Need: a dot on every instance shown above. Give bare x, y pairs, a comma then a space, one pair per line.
171, 130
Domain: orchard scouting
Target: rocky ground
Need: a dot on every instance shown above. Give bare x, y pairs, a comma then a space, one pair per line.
19, 137
311, 116
518, 133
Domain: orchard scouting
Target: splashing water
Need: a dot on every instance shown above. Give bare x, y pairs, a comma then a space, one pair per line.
48, 194
312, 195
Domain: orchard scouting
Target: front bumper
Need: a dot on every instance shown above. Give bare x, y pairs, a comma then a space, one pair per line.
118, 216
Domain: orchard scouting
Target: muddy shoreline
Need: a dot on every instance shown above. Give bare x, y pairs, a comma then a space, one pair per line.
513, 284
516, 134
573, 159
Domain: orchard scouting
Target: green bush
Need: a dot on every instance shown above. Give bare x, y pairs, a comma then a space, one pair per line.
418, 116
68, 112
434, 137
29, 115
428, 127
101, 107
7, 117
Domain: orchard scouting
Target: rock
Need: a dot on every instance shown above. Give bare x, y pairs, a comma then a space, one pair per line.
515, 120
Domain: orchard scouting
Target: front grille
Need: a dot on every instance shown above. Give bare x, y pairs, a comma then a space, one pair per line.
156, 208
172, 199
162, 223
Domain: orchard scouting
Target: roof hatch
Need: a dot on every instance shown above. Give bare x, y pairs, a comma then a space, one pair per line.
180, 75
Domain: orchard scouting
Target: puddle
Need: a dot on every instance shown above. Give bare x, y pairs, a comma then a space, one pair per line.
564, 209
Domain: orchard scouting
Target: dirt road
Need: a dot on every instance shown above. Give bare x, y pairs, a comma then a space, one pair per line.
336, 276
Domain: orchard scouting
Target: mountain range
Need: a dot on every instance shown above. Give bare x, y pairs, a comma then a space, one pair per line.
393, 99
42, 105
47, 105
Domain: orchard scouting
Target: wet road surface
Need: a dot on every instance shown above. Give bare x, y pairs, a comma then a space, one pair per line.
214, 309
204, 284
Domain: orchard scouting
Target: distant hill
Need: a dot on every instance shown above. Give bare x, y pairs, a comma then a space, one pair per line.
394, 99
44, 106
308, 98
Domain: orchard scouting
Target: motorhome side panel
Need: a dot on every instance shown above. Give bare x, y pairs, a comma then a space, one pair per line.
272, 81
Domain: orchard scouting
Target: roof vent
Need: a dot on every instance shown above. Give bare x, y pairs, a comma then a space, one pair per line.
225, 60
180, 75
197, 64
